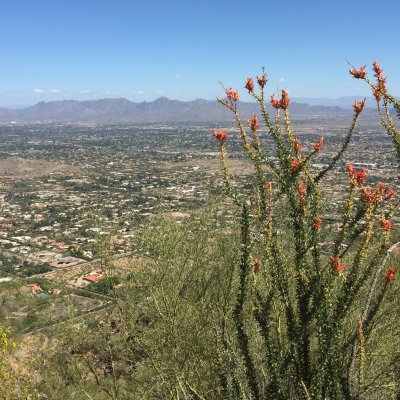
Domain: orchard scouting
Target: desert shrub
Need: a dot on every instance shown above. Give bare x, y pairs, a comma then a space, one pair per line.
105, 286
160, 338
15, 381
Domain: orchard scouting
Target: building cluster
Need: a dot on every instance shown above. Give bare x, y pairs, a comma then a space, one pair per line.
67, 191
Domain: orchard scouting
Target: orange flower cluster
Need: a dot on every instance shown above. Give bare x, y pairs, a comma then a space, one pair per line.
285, 100
385, 223
380, 193
358, 106
337, 264
262, 80
358, 73
319, 145
282, 103
377, 69
295, 164
317, 221
301, 190
275, 102
297, 145
220, 135
390, 274
381, 81
367, 195
357, 177
232, 95
253, 123
389, 194
249, 85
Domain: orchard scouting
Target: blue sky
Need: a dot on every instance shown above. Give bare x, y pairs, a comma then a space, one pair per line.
144, 49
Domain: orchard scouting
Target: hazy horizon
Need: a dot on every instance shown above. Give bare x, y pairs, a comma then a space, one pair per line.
345, 100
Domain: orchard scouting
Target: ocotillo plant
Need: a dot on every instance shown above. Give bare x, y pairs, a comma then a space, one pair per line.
303, 316
380, 93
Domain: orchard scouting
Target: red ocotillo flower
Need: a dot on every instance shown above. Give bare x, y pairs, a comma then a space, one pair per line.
275, 102
249, 85
358, 73
377, 95
351, 172
301, 190
334, 259
358, 106
262, 80
337, 264
361, 176
285, 100
318, 145
350, 168
317, 221
220, 135
381, 84
357, 177
377, 69
232, 95
367, 195
297, 145
385, 223
390, 274
390, 193
380, 191
295, 164
253, 123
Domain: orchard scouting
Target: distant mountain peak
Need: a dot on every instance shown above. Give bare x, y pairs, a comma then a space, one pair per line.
162, 99
160, 110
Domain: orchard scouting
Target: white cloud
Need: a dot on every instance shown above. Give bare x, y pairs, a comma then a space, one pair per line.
83, 91
281, 80
140, 92
55, 91
160, 92
112, 92
38, 90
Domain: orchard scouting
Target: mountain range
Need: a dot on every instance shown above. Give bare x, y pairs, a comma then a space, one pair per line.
162, 109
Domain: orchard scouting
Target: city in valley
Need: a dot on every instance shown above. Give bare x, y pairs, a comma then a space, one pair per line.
70, 190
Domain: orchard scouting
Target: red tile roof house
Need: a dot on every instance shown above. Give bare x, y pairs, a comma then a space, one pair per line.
93, 278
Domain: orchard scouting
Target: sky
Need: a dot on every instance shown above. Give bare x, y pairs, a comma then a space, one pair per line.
182, 49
